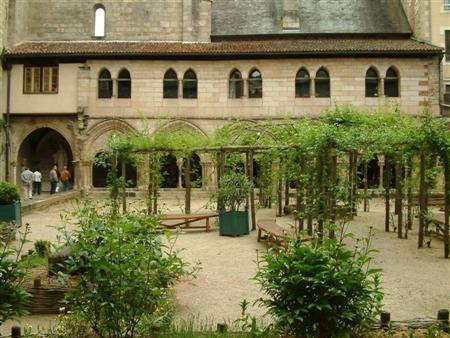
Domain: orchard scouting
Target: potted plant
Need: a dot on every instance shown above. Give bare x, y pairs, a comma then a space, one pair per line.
10, 210
231, 195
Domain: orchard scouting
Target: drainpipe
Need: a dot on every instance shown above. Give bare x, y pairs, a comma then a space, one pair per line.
7, 126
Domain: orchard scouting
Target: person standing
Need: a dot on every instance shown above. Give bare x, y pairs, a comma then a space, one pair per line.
53, 179
27, 178
37, 183
65, 178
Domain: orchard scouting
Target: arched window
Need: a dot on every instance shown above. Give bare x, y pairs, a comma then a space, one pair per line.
236, 85
99, 21
372, 82
255, 84
170, 85
322, 83
302, 83
124, 84
105, 84
189, 85
391, 88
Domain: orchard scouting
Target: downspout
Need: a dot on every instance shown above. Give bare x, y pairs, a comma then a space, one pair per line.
7, 125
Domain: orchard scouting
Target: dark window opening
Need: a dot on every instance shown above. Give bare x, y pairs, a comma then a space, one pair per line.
40, 80
196, 172
372, 81
169, 172
190, 85
322, 83
236, 85
124, 85
255, 84
302, 84
391, 88
105, 85
170, 85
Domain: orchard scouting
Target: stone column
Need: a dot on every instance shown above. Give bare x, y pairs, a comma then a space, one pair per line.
312, 87
180, 88
209, 178
381, 87
381, 168
180, 162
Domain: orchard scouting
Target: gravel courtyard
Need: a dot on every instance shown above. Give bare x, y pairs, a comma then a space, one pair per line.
416, 282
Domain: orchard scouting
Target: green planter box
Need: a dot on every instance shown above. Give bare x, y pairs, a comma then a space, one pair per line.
11, 212
233, 223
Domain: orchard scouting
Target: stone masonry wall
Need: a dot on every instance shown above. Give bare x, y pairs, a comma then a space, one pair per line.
157, 20
418, 13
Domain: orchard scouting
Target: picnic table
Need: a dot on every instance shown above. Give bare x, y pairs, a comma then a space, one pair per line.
185, 220
273, 232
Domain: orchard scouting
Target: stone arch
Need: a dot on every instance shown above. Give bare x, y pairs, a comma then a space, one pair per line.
97, 142
180, 124
41, 149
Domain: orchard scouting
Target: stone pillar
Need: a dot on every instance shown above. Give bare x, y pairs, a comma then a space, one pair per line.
381, 167
312, 86
180, 87
381, 87
180, 162
83, 174
209, 178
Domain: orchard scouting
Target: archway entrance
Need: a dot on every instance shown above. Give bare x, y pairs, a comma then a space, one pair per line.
169, 172
41, 149
100, 172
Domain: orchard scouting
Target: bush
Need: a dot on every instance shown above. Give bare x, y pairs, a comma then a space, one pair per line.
42, 247
9, 193
128, 268
233, 191
320, 290
12, 273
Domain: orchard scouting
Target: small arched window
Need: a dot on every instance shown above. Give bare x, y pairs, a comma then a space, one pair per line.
236, 85
302, 83
255, 84
322, 83
391, 85
105, 84
124, 84
99, 21
372, 82
189, 85
170, 85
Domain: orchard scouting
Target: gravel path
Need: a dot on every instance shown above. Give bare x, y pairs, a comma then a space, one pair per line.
416, 282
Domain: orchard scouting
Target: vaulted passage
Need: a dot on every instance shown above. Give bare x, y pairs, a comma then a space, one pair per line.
101, 167
40, 150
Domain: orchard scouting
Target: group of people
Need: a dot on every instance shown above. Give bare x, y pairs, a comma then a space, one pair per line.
32, 181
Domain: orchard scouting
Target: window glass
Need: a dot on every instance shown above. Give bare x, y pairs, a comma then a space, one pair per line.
124, 84
105, 85
189, 85
372, 81
302, 83
99, 21
255, 84
40, 79
170, 85
391, 84
322, 83
236, 87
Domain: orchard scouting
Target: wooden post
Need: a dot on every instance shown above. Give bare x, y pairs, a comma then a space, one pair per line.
320, 195
247, 174
333, 177
150, 186
37, 283
280, 189
446, 163
310, 200
387, 188
220, 172
16, 332
409, 215
399, 197
301, 194
124, 186
350, 182
155, 185
286, 189
252, 190
422, 200
366, 200
355, 183
187, 181
385, 318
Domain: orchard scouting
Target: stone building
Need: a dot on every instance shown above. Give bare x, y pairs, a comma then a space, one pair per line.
83, 70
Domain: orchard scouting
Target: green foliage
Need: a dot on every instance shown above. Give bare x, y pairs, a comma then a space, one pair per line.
42, 247
128, 266
9, 193
320, 290
12, 274
233, 191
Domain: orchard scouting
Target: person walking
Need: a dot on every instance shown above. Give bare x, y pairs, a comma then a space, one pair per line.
53, 180
37, 183
27, 178
65, 178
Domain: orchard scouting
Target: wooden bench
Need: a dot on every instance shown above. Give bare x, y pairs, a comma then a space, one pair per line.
185, 220
273, 232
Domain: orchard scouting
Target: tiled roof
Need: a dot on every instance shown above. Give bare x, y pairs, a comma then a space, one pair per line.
255, 17
226, 49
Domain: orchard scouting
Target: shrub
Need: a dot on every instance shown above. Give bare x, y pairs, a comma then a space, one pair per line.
233, 191
42, 247
9, 193
320, 290
128, 268
12, 273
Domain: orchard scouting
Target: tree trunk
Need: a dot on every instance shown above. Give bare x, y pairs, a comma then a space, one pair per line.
399, 197
252, 191
387, 182
124, 186
333, 177
422, 200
